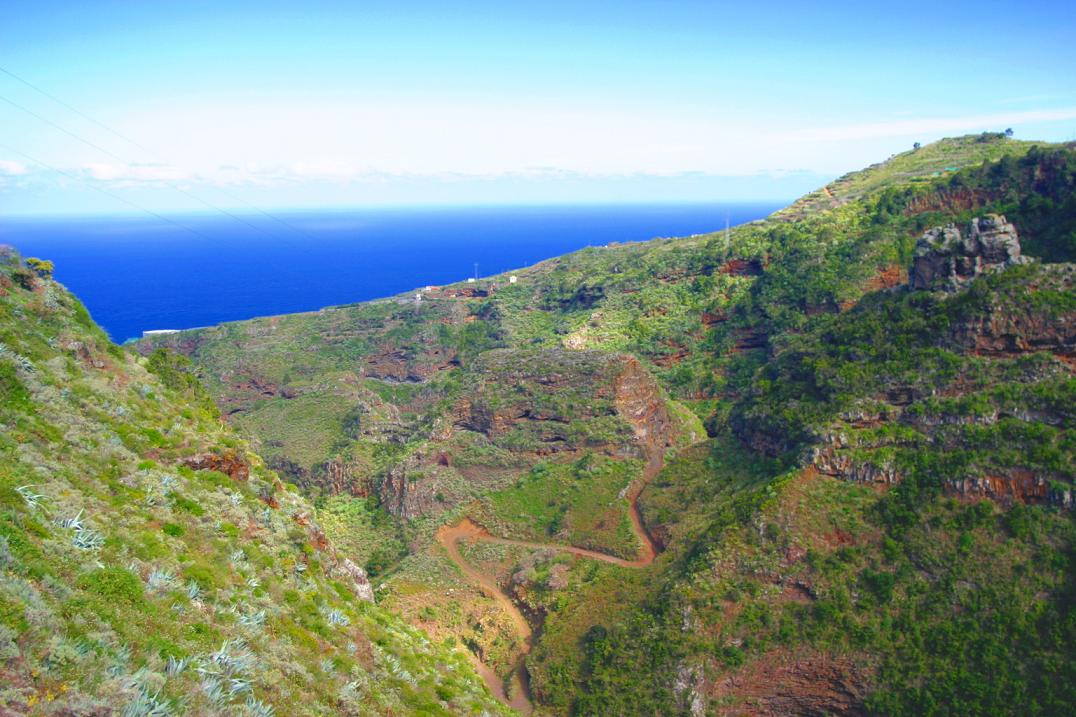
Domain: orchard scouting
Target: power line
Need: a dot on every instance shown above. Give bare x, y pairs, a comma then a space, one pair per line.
145, 149
106, 192
115, 156
81, 114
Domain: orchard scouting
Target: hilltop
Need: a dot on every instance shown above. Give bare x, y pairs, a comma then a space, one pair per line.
819, 464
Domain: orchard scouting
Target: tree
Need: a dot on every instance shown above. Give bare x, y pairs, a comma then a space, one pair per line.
1008, 132
916, 145
42, 267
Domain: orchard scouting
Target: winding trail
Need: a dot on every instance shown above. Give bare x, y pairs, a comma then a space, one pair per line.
450, 536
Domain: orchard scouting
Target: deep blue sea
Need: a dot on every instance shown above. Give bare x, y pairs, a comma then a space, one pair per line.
136, 273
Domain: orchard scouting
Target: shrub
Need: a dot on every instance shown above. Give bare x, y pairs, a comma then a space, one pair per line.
117, 585
42, 267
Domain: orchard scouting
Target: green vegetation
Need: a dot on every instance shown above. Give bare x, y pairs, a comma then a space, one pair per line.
365, 533
578, 503
878, 522
131, 583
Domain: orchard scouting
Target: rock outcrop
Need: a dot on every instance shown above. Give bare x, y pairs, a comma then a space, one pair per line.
948, 257
1006, 330
640, 403
231, 464
360, 582
528, 406
335, 476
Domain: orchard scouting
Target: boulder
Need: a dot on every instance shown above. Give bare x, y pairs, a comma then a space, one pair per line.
359, 580
948, 257
231, 463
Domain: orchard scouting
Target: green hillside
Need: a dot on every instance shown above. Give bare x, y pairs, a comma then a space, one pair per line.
752, 472
137, 578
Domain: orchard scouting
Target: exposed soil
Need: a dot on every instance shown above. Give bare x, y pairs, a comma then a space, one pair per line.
466, 529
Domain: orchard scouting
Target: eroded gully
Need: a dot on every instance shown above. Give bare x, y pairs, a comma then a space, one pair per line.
449, 536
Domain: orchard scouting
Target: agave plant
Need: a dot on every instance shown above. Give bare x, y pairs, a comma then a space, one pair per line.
214, 690
253, 619
146, 705
88, 539
335, 617
74, 523
31, 498
194, 590
176, 665
233, 657
253, 582
238, 556
257, 708
18, 359
239, 686
160, 580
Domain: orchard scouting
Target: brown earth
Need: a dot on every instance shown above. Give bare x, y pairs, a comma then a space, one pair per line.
450, 536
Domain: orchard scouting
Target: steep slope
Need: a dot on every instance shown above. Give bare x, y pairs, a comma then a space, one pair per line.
151, 565
822, 551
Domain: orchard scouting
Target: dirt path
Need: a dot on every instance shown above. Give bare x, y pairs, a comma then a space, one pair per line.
450, 536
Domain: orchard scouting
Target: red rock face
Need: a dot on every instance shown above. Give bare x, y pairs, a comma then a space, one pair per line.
748, 339
230, 464
640, 403
399, 365
1017, 486
712, 318
1006, 333
742, 267
949, 201
781, 684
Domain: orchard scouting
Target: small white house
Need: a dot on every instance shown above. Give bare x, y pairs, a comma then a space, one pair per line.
470, 280
418, 297
512, 279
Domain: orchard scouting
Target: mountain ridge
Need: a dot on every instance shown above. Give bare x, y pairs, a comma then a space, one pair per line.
829, 419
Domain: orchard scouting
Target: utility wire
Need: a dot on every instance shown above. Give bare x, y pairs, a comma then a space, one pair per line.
145, 149
118, 158
104, 191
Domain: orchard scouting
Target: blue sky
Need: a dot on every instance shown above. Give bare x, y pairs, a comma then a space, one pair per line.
350, 103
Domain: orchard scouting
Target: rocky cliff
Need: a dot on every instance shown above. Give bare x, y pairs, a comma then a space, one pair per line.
1000, 323
526, 406
948, 257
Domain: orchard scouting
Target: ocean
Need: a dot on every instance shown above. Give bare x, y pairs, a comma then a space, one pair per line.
140, 273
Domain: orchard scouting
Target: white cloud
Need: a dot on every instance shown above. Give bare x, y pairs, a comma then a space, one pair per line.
134, 173
325, 169
11, 168
930, 126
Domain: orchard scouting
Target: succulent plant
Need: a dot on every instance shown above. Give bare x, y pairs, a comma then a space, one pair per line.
88, 539
32, 499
